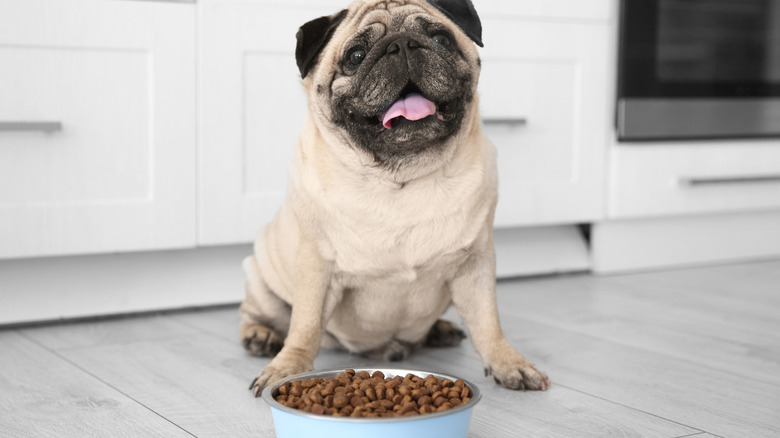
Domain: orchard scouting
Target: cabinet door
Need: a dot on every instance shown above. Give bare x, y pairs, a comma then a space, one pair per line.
544, 102
252, 106
97, 126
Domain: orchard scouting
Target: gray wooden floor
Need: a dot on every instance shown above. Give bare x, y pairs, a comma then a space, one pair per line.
672, 354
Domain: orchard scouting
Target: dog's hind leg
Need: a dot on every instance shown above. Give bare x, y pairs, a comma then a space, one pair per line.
265, 318
444, 334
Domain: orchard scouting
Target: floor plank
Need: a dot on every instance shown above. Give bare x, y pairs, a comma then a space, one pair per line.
43, 395
198, 382
727, 322
708, 399
108, 332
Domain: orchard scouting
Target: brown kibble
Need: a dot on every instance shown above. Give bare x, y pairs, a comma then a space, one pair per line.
427, 409
372, 395
444, 407
340, 400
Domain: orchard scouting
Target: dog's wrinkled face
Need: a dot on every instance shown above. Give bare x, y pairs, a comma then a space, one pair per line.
397, 79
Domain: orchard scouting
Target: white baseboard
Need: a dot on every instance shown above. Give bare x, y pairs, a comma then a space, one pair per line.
648, 244
540, 250
55, 288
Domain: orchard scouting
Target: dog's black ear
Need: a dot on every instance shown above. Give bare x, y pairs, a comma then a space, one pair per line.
312, 38
462, 13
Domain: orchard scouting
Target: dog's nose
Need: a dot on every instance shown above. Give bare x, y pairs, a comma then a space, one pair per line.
402, 43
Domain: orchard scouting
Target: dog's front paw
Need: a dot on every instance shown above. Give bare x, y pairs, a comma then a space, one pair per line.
518, 374
273, 373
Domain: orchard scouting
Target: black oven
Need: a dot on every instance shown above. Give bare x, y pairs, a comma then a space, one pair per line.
698, 69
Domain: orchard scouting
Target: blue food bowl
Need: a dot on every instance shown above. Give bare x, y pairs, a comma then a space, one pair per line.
293, 423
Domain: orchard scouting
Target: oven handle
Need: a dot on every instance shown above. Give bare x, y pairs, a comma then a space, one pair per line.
712, 181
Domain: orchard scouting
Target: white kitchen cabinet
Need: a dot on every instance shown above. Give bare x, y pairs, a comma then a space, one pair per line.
252, 106
544, 91
97, 126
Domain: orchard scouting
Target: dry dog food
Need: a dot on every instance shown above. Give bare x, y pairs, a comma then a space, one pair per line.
362, 394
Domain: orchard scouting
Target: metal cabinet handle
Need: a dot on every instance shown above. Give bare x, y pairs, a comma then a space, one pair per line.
711, 181
509, 121
42, 126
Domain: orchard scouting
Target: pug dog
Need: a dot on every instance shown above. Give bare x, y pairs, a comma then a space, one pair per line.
388, 218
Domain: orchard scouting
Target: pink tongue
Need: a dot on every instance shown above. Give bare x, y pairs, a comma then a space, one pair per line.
411, 107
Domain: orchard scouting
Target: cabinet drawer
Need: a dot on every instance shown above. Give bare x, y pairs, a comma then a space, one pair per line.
97, 126
675, 178
543, 103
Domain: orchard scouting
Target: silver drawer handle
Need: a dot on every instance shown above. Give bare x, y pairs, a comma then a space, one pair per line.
508, 121
44, 126
752, 179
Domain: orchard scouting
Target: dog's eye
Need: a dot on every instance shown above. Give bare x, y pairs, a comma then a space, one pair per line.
356, 56
441, 39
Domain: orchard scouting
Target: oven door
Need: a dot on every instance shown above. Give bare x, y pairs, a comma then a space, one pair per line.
699, 69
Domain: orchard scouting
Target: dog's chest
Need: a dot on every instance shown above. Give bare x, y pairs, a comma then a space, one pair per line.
376, 232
